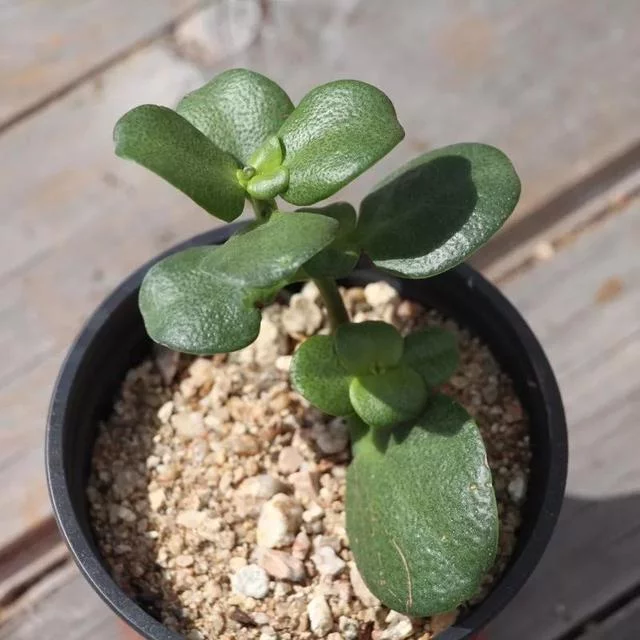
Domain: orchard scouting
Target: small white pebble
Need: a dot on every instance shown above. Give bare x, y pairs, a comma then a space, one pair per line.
327, 562
283, 363
320, 618
400, 629
191, 519
517, 488
378, 294
251, 581
261, 487
156, 499
279, 521
313, 513
165, 411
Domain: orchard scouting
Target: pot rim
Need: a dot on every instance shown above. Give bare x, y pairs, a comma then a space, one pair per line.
96, 573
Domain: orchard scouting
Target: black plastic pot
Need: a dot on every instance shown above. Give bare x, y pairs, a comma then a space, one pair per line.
114, 340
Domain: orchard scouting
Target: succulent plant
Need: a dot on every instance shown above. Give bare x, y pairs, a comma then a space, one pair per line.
421, 510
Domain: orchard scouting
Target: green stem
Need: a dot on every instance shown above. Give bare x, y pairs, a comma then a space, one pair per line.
333, 301
263, 208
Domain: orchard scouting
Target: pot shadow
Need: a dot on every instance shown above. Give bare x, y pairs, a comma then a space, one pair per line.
433, 201
589, 570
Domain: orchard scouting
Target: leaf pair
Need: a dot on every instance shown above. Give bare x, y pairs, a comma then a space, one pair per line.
240, 134
370, 370
205, 300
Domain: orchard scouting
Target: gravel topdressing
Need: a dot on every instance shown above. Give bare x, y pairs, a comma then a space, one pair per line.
217, 493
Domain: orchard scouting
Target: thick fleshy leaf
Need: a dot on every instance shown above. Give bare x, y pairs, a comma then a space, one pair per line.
438, 209
341, 256
368, 347
317, 374
204, 300
165, 143
238, 110
386, 399
422, 519
433, 353
337, 131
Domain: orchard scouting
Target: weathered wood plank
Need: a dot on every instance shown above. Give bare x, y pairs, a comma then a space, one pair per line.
584, 304
623, 625
45, 47
64, 606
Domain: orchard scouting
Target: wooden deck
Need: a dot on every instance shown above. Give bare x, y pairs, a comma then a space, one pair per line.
555, 83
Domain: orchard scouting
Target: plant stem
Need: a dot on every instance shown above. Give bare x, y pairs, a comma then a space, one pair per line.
333, 302
263, 208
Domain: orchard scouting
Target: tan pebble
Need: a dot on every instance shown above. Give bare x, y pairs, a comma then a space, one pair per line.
378, 294
408, 309
281, 565
400, 628
268, 634
280, 402
263, 487
305, 484
360, 589
201, 371
156, 499
237, 563
313, 512
209, 528
282, 590
320, 617
283, 363
301, 545
289, 460
191, 519
349, 628
165, 411
245, 445
279, 521
302, 316
188, 425
226, 480
124, 513
327, 562
311, 291
215, 624
442, 621
226, 540
334, 636
332, 437
184, 560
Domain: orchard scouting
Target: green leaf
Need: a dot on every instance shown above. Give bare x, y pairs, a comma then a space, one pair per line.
317, 374
238, 110
386, 399
337, 131
165, 143
368, 347
438, 209
433, 353
341, 256
204, 300
422, 519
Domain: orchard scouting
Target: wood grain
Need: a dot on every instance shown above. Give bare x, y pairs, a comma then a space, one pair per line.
623, 625
584, 305
48, 46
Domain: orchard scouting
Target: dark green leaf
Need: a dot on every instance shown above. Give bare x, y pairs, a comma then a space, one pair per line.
389, 398
368, 347
238, 110
165, 143
336, 132
317, 374
433, 353
421, 512
438, 209
341, 256
204, 300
